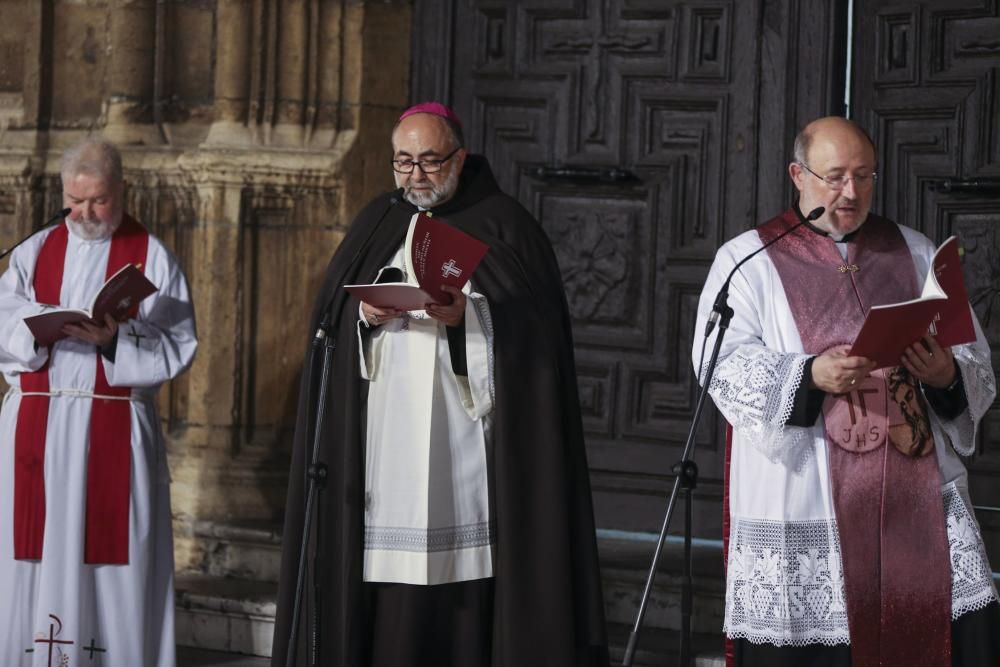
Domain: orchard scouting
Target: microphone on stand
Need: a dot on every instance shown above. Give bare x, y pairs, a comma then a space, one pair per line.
326, 320
396, 198
722, 298
316, 473
58, 216
687, 470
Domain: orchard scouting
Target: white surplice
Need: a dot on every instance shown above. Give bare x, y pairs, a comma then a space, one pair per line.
785, 579
427, 515
114, 615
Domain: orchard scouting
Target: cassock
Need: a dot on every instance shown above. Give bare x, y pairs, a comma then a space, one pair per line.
85, 594
546, 606
427, 516
785, 588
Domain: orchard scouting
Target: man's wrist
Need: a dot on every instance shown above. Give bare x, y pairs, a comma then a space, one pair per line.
108, 349
951, 385
954, 383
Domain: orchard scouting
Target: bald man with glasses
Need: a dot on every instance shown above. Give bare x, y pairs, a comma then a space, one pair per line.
845, 553
456, 526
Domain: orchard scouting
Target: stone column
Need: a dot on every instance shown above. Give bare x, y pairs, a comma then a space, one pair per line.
131, 64
232, 73
375, 90
249, 172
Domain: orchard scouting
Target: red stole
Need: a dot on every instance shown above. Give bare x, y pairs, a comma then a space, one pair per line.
890, 516
109, 456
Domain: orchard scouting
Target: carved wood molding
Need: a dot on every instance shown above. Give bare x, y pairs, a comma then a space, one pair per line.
698, 100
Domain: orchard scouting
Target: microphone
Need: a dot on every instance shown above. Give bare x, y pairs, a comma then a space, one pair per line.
326, 320
396, 198
58, 216
721, 305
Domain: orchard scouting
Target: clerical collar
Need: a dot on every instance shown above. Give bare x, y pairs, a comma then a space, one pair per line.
822, 232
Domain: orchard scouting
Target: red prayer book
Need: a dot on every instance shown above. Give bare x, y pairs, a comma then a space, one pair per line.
440, 255
942, 309
120, 292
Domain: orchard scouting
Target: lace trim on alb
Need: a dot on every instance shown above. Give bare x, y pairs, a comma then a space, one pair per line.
754, 388
971, 576
785, 583
980, 390
482, 310
428, 540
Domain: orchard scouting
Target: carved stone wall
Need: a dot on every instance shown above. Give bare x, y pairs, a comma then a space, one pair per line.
251, 131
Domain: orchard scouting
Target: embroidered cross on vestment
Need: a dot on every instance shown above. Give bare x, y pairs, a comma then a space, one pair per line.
93, 648
136, 335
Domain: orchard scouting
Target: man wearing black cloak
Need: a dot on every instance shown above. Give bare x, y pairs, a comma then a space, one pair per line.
493, 441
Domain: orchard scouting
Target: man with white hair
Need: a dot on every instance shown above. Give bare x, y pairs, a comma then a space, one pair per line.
86, 550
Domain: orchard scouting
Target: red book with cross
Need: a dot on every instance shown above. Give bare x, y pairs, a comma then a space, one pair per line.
439, 255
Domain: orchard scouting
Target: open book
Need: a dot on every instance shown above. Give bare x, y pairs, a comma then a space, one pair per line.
942, 309
440, 255
120, 292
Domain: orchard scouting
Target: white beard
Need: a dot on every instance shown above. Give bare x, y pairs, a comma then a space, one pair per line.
434, 196
91, 230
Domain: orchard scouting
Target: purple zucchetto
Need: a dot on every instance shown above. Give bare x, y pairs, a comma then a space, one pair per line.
433, 108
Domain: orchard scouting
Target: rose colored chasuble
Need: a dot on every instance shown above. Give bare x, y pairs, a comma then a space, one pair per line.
109, 458
884, 474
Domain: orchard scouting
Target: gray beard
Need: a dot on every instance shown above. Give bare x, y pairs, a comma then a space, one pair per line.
91, 230
436, 195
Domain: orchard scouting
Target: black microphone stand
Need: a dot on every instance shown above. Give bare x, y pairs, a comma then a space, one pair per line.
318, 471
686, 469
55, 218
317, 474
686, 480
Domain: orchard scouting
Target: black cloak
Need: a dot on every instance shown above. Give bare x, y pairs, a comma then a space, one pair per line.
548, 608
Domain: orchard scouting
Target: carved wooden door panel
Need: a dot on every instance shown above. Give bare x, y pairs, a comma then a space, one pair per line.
929, 92
631, 129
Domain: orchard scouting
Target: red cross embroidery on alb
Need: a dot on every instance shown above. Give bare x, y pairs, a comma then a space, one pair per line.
52, 642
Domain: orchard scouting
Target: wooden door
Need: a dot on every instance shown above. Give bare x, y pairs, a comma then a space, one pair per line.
927, 86
635, 132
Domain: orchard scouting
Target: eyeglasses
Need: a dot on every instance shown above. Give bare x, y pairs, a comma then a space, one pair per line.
840, 182
426, 166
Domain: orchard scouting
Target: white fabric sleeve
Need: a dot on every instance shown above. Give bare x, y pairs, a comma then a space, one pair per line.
160, 343
18, 353
370, 342
361, 316
369, 350
754, 385
980, 386
366, 353
477, 388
